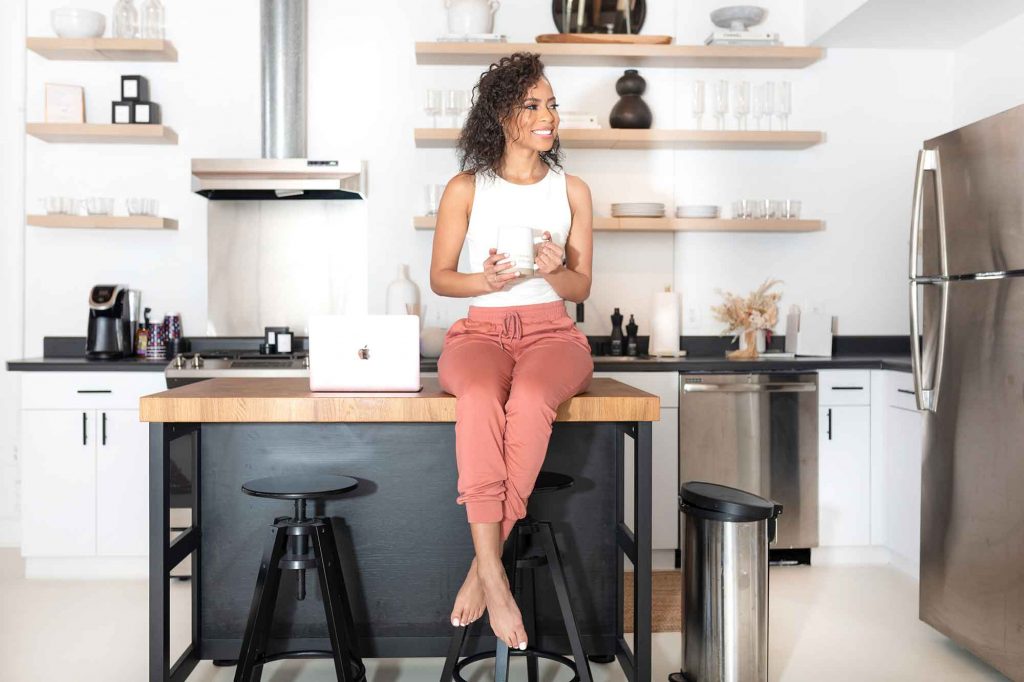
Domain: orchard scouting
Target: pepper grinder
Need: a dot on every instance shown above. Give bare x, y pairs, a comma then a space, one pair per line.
631, 329
616, 340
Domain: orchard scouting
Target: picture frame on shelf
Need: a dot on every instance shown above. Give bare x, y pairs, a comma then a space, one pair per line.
64, 103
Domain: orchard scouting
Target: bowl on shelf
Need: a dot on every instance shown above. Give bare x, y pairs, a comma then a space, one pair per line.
738, 17
75, 22
99, 205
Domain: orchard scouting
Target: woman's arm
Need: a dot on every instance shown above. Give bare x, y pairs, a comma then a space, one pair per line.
572, 280
449, 235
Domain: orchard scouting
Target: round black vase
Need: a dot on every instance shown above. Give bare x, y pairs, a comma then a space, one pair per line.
630, 111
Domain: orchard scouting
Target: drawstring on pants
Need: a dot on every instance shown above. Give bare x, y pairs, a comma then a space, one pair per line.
512, 328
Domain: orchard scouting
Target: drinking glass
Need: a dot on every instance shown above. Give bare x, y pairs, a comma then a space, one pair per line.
462, 104
756, 208
721, 102
432, 105
742, 104
785, 104
697, 104
742, 208
135, 205
769, 102
150, 207
792, 209
758, 105
54, 205
152, 19
434, 193
452, 107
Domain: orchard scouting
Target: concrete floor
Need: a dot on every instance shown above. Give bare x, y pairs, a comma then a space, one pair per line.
842, 624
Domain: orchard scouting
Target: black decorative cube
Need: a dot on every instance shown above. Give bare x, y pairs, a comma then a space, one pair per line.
134, 89
121, 112
145, 112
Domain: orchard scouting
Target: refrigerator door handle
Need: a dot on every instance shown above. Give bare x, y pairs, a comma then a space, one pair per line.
927, 396
927, 160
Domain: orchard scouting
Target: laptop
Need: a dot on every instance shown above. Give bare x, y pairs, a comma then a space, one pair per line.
364, 353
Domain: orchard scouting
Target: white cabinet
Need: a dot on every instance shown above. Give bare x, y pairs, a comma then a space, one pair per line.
58, 452
844, 458
844, 476
122, 484
85, 466
904, 439
664, 454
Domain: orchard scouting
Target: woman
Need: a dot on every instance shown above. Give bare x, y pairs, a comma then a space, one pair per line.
518, 355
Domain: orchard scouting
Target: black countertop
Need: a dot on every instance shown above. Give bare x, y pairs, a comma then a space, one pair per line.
706, 354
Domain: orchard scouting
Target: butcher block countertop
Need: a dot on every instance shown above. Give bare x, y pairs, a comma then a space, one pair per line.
290, 400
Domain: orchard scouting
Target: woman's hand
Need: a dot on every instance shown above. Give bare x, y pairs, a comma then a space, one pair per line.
497, 276
550, 256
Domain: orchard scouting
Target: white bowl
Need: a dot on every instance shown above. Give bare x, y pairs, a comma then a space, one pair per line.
73, 22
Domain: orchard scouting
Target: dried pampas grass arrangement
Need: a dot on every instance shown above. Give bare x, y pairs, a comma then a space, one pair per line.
759, 310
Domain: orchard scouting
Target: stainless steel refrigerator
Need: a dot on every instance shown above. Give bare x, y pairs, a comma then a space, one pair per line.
967, 333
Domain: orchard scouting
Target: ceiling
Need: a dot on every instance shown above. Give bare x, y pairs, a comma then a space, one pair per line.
917, 24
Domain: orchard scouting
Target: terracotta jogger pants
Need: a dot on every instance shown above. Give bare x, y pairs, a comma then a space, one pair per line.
509, 369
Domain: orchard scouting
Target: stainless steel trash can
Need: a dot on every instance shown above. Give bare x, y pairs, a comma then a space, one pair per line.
725, 538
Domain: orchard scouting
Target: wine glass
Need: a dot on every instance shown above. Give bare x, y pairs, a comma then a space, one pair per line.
721, 102
742, 104
757, 105
453, 105
769, 102
697, 105
785, 104
432, 105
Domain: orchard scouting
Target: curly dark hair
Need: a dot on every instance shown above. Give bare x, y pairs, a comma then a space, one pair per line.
497, 98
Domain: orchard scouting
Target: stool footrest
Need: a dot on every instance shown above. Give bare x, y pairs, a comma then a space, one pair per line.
529, 653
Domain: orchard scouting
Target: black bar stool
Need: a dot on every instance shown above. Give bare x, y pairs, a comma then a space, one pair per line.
532, 545
289, 548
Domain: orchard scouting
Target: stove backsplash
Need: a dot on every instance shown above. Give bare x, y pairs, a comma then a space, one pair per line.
276, 263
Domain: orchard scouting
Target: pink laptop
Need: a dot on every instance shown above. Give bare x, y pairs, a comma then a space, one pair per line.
364, 353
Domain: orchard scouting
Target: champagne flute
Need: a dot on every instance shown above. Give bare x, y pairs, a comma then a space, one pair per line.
697, 105
758, 105
785, 104
432, 105
721, 102
769, 102
742, 104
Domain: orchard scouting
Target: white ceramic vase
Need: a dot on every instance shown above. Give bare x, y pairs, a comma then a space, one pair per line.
403, 296
471, 16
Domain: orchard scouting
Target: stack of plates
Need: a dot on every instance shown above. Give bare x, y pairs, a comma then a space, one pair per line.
696, 211
638, 210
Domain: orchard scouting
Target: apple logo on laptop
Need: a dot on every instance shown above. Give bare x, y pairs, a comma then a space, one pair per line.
364, 353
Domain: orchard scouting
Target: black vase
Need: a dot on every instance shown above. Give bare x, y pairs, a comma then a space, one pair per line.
631, 111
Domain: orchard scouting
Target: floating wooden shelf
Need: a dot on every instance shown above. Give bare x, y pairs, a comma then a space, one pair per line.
583, 54
606, 224
104, 49
104, 222
655, 138
103, 133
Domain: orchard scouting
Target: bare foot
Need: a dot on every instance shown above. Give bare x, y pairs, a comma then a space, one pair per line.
503, 613
469, 602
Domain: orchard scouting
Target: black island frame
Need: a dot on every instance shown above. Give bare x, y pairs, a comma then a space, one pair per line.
224, 549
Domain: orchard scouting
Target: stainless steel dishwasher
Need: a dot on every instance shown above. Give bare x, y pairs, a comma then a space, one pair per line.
759, 433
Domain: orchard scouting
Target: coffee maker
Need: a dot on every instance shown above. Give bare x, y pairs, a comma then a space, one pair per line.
110, 329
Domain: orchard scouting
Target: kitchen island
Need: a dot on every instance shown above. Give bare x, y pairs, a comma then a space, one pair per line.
405, 544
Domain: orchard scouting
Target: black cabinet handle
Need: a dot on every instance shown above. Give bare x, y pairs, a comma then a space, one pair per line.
829, 431
847, 388
104, 428
85, 429
94, 390
903, 390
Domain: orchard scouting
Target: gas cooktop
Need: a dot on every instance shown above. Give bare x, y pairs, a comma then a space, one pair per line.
187, 368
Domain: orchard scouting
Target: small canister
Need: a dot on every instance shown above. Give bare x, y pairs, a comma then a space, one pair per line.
156, 341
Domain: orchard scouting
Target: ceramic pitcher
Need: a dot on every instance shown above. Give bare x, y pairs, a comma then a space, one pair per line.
471, 16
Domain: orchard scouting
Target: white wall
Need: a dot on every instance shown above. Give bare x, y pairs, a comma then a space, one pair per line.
366, 96
987, 77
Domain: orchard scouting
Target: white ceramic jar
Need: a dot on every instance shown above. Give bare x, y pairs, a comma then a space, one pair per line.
471, 16
403, 296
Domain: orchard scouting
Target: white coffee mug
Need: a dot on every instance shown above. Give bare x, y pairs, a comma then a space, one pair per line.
518, 243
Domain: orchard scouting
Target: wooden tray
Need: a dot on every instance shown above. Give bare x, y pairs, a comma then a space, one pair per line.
604, 38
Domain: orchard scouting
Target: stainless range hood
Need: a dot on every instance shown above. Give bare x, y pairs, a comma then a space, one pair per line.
283, 172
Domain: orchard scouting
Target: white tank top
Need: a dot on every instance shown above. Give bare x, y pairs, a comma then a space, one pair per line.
498, 203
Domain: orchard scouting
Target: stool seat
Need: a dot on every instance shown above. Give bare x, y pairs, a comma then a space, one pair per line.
549, 482
300, 486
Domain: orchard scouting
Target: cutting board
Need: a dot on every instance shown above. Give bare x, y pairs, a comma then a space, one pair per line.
627, 38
